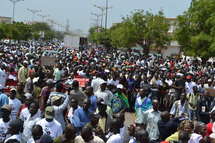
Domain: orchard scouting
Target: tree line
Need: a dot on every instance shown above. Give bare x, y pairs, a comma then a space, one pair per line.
22, 31
195, 30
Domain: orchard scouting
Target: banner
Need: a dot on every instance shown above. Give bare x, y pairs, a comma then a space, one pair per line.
210, 91
48, 61
82, 81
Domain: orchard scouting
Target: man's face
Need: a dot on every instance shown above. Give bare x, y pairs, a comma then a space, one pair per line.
12, 94
74, 104
33, 108
103, 86
86, 105
155, 105
5, 115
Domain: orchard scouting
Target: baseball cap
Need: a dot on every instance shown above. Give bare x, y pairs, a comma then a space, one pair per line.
120, 86
49, 112
189, 77
55, 98
6, 107
12, 89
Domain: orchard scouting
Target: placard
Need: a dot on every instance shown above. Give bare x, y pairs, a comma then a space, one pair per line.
82, 81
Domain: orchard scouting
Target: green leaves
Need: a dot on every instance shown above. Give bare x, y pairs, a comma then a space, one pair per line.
143, 28
196, 29
21, 31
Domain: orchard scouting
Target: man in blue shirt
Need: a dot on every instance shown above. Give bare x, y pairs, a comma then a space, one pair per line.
3, 97
93, 99
82, 115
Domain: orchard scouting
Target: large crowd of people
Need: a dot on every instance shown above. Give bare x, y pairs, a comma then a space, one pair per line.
89, 95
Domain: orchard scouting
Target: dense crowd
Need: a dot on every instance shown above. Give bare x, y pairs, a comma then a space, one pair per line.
90, 95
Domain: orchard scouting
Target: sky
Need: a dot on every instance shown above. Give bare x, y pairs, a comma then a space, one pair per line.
78, 12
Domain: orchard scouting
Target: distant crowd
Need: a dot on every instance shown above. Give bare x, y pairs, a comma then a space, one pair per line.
90, 96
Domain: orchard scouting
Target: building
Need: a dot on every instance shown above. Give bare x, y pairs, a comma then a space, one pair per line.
173, 48
5, 19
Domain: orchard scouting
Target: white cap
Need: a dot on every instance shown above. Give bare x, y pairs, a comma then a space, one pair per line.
120, 86
28, 95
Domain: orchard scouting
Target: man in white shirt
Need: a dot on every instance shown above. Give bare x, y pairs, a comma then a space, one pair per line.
189, 84
180, 107
4, 122
104, 94
97, 82
50, 126
15, 130
14, 103
31, 120
88, 137
3, 77
25, 113
114, 135
37, 132
151, 118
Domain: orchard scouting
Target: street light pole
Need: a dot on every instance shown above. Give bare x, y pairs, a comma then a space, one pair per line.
14, 6
106, 16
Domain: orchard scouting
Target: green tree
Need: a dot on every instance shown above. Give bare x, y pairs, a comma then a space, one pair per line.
196, 29
143, 28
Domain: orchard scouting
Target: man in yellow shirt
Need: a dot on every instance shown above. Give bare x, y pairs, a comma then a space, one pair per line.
23, 73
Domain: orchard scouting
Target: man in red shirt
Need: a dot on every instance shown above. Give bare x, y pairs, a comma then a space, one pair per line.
209, 126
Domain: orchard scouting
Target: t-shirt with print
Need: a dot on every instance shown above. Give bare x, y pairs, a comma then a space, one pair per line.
15, 105
54, 128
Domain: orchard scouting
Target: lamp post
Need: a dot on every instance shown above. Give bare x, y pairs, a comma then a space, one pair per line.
14, 6
106, 15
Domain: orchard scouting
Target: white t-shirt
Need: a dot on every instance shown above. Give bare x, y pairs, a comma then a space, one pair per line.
17, 137
15, 106
189, 87
96, 83
3, 77
24, 115
3, 130
28, 125
54, 128
115, 139
105, 95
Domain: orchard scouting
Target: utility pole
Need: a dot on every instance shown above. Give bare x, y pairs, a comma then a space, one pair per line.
34, 12
102, 13
96, 20
67, 26
106, 16
14, 6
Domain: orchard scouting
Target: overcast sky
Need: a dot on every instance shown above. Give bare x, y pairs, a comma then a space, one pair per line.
78, 12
